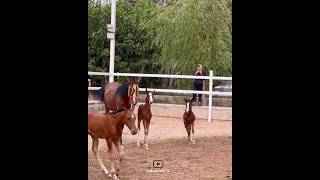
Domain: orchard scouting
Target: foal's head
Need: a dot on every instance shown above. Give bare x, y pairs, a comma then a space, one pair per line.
188, 104
149, 97
129, 121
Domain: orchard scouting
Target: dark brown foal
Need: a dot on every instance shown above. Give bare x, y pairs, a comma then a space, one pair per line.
108, 127
188, 120
144, 114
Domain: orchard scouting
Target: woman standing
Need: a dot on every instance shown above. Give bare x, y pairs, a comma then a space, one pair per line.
198, 83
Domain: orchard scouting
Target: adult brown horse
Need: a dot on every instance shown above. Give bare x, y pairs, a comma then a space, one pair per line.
118, 96
108, 127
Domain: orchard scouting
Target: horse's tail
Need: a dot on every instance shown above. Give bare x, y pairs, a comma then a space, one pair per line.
138, 125
101, 94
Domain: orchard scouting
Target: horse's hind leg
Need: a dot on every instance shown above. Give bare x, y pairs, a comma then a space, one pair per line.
139, 120
146, 132
192, 138
112, 159
95, 144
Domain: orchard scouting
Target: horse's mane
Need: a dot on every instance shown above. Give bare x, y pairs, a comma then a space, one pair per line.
123, 90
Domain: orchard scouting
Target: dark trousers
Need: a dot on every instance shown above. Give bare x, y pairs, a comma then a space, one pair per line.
197, 87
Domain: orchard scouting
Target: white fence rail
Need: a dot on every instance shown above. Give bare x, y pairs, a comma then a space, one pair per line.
210, 78
162, 76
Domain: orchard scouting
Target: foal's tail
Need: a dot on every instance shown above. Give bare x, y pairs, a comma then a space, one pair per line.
139, 120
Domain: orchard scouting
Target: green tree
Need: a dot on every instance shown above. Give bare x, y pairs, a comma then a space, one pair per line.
170, 37
191, 32
98, 46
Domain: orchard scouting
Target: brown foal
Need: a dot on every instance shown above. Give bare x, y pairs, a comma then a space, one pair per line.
144, 114
108, 127
188, 120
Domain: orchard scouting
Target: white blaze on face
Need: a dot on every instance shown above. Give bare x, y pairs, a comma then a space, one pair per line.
187, 109
150, 97
132, 116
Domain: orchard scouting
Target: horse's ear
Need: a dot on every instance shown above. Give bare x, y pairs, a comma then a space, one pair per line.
128, 81
154, 91
185, 99
146, 90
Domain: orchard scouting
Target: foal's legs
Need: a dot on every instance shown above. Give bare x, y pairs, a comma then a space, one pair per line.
192, 140
121, 144
112, 158
116, 142
138, 141
146, 124
139, 120
188, 128
95, 144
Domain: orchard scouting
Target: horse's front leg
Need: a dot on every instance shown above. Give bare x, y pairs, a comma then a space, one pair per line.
146, 124
117, 143
188, 128
95, 144
138, 136
121, 144
112, 159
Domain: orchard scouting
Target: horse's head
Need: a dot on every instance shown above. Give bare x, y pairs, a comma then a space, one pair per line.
149, 97
133, 91
188, 104
129, 121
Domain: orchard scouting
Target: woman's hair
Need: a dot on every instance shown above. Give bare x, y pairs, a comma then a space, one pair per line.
199, 65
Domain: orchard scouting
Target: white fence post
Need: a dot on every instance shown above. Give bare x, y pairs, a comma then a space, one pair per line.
112, 41
210, 97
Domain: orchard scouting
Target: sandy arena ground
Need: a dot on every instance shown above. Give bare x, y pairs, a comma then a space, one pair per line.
209, 158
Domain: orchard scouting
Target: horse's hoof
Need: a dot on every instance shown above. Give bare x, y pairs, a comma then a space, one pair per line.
139, 143
122, 153
146, 146
109, 174
114, 176
118, 172
121, 159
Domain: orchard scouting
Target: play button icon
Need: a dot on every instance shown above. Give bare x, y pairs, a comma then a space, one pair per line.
158, 164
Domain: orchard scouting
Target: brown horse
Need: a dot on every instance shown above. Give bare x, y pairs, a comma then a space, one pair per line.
144, 114
108, 127
188, 120
118, 96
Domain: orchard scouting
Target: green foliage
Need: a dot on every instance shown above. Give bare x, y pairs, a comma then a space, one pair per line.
156, 38
192, 32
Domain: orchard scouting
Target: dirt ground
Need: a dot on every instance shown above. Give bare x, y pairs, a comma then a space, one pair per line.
209, 158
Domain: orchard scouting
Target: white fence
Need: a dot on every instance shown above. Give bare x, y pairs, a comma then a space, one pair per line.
210, 78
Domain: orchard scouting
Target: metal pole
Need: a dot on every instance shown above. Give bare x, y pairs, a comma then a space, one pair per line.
210, 97
112, 41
